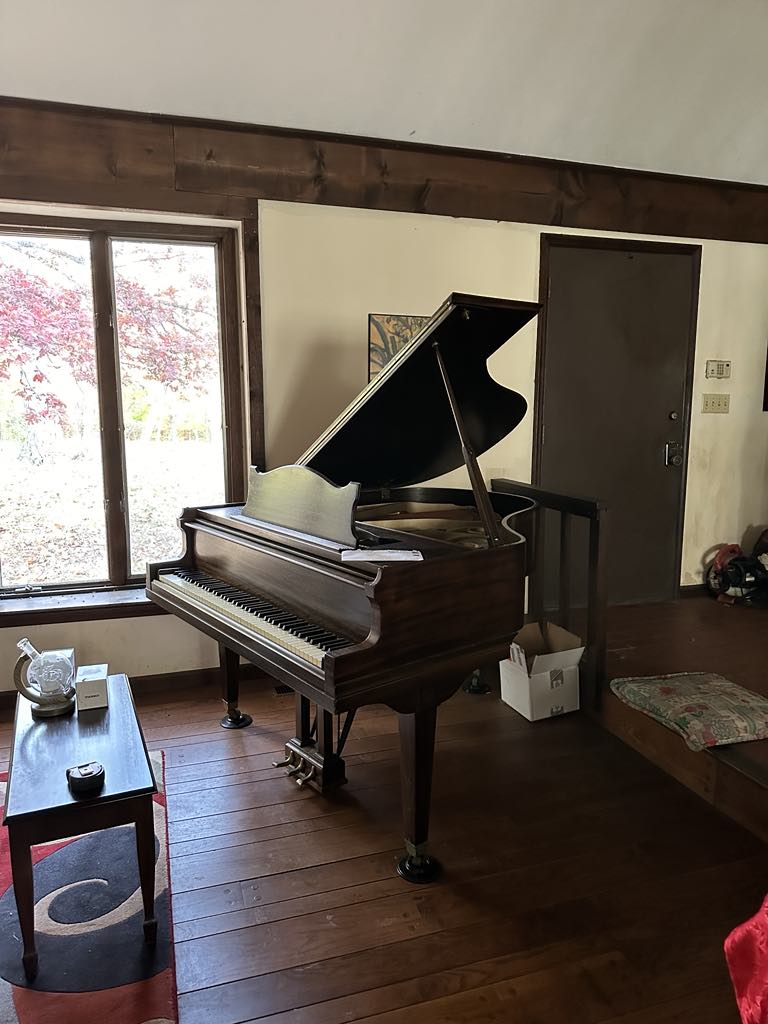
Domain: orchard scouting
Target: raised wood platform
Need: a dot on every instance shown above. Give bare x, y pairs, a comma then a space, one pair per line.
694, 634
582, 884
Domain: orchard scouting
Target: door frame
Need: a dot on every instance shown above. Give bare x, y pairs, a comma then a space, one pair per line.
548, 241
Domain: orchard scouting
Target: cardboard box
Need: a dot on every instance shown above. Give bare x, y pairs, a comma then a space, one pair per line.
91, 687
540, 679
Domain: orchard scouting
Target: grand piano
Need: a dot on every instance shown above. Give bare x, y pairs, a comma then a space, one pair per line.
343, 578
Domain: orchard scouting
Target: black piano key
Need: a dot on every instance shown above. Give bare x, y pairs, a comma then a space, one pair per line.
326, 636
264, 609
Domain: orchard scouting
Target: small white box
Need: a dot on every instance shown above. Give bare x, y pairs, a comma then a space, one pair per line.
91, 687
540, 679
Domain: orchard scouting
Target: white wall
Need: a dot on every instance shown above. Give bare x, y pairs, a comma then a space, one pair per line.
325, 269
138, 647
728, 458
668, 86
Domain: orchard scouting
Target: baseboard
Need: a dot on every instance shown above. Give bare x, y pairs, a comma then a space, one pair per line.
692, 589
173, 681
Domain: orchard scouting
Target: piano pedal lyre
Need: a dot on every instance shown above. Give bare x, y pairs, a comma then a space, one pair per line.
310, 757
309, 768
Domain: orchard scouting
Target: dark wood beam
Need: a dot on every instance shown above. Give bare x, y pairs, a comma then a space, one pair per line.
60, 153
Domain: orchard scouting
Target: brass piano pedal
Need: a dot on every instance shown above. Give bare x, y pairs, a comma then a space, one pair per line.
284, 763
306, 777
299, 766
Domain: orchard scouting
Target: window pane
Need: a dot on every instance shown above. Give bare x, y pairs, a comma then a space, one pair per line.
52, 527
168, 335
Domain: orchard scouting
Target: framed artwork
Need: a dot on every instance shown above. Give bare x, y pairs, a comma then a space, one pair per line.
388, 333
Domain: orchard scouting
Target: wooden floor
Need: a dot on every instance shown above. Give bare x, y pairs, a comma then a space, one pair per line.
581, 883
694, 634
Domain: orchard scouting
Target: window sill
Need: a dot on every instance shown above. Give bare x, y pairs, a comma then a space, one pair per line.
85, 606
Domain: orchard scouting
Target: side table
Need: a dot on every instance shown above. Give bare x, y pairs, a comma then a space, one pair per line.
39, 807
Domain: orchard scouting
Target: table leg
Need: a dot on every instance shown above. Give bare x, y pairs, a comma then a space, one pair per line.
23, 888
145, 848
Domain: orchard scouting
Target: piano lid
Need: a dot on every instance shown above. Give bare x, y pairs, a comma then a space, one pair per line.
400, 429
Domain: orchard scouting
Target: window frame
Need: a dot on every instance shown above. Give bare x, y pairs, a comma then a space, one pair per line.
100, 233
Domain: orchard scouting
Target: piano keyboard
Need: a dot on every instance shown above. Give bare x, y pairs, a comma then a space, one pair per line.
305, 639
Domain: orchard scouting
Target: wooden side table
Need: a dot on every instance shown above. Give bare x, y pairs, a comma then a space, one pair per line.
39, 807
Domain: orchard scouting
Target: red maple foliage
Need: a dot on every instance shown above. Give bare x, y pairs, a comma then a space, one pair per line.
45, 327
41, 327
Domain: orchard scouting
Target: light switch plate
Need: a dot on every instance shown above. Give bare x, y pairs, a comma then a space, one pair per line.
716, 403
720, 369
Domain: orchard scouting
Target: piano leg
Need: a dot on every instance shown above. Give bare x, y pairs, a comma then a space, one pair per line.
417, 746
230, 689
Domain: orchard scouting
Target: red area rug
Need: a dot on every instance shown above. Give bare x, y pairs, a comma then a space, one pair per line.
94, 964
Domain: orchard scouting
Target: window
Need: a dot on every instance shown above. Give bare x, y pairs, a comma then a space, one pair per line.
119, 396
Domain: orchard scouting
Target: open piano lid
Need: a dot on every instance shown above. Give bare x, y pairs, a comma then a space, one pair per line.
400, 429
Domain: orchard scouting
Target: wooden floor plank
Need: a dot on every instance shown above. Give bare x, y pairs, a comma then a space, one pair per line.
413, 993
582, 991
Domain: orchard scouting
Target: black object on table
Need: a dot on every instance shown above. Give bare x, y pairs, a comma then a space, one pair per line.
40, 807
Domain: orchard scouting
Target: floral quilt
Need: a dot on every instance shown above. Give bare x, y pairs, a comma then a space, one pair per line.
705, 709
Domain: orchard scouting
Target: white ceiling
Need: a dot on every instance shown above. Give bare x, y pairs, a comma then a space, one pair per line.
666, 85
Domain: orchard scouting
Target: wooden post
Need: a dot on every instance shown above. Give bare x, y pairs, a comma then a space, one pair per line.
564, 600
596, 607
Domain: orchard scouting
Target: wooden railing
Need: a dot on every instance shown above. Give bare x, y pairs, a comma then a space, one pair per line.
568, 507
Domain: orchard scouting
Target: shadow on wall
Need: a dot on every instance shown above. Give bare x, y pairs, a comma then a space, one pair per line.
750, 537
327, 383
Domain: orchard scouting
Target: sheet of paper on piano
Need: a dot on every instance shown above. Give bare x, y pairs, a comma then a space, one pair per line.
380, 555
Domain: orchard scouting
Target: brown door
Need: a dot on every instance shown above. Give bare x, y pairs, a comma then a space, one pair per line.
613, 399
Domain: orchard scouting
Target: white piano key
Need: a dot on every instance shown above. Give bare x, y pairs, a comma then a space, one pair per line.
174, 584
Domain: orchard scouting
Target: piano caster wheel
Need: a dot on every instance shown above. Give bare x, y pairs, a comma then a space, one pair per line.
419, 869
475, 684
235, 719
306, 777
